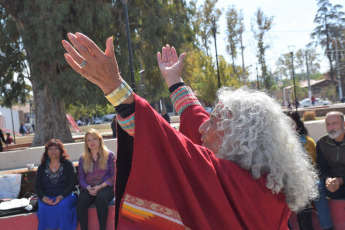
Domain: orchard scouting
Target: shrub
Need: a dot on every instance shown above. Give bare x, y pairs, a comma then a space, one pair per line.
309, 116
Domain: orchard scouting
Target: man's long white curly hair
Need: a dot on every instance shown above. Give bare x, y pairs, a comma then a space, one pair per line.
258, 137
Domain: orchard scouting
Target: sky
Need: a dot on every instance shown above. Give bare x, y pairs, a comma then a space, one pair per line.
292, 25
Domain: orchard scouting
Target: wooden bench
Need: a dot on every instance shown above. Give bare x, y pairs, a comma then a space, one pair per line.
16, 146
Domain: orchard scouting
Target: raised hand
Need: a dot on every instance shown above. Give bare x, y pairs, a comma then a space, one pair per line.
100, 67
170, 65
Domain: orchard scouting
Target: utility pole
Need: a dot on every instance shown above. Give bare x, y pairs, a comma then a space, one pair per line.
243, 67
338, 73
214, 31
257, 76
124, 2
291, 49
309, 87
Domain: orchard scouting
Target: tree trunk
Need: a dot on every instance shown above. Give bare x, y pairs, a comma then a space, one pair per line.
51, 121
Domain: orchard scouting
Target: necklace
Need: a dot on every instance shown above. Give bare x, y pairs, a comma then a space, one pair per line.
54, 169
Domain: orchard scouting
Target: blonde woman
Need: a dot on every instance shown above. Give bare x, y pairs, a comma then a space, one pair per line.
96, 178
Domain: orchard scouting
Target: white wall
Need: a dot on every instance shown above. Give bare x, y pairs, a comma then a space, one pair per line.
6, 114
18, 159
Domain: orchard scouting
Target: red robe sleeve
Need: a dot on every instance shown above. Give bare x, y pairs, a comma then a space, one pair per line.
190, 121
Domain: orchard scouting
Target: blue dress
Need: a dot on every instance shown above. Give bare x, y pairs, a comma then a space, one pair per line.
61, 216
52, 184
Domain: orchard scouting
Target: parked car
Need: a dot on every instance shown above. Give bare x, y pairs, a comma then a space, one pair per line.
105, 119
318, 102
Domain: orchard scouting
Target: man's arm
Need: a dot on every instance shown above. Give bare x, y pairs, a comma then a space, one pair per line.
332, 184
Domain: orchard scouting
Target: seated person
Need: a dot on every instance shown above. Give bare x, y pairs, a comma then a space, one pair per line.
96, 173
304, 217
55, 181
330, 159
9, 139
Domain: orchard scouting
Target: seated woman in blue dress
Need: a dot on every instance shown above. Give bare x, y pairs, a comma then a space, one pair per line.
55, 182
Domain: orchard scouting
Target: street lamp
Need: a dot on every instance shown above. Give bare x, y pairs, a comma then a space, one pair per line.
214, 31
124, 2
291, 49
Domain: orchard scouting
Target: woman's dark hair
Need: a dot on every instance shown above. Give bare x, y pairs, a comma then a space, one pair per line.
301, 129
54, 142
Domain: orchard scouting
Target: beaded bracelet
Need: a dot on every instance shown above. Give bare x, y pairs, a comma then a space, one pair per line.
120, 94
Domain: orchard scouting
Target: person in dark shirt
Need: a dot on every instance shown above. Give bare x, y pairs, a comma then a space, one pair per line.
55, 182
113, 126
2, 139
165, 115
330, 160
9, 139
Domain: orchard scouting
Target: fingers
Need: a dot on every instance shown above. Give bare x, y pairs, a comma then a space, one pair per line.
89, 44
159, 58
72, 52
164, 55
82, 49
168, 53
73, 64
182, 56
109, 50
174, 54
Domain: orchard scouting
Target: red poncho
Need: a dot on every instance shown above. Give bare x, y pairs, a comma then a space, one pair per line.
177, 184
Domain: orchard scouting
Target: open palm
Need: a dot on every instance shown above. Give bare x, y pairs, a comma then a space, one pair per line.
170, 65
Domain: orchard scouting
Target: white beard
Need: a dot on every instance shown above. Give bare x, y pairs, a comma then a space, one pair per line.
334, 134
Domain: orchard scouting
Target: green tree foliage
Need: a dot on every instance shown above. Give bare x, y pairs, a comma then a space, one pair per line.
260, 29
329, 20
80, 110
154, 24
301, 57
42, 24
203, 22
12, 63
284, 63
235, 28
204, 78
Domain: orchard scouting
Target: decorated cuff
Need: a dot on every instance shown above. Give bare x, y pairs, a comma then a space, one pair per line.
182, 98
127, 124
120, 94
